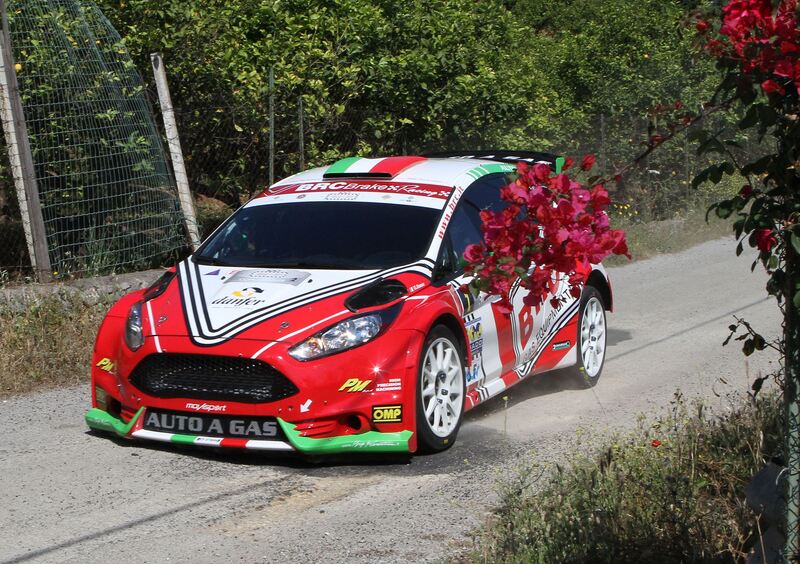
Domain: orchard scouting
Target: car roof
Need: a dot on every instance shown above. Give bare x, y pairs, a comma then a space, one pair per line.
446, 172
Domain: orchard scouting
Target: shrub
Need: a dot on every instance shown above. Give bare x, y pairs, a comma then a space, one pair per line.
671, 491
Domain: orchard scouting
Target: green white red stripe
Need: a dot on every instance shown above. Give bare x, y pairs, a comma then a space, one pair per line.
388, 166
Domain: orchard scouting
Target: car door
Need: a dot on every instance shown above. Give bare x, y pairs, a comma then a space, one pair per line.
499, 342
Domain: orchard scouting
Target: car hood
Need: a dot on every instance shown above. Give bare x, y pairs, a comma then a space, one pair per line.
219, 303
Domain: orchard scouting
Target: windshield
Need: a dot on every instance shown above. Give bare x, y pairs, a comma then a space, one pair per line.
331, 235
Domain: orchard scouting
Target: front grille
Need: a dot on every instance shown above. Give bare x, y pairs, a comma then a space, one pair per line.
221, 378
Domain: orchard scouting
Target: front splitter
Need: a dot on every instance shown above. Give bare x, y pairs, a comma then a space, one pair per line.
368, 442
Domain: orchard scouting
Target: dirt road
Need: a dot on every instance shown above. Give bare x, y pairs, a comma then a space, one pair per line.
69, 496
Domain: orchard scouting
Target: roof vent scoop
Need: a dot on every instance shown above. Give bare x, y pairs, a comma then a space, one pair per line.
378, 293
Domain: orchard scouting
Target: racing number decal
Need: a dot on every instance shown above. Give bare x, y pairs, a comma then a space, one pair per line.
525, 319
505, 339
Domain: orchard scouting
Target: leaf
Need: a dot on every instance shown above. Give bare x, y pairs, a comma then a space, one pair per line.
749, 347
238, 127
750, 118
724, 209
794, 239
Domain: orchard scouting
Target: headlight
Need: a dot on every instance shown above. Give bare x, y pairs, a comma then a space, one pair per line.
344, 335
134, 337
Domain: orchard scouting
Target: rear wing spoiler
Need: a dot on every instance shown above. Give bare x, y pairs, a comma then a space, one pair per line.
555, 162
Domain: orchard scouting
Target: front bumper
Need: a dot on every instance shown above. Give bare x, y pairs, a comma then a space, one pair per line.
367, 442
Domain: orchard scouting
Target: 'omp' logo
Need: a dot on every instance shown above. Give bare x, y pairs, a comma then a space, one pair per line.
354, 385
387, 413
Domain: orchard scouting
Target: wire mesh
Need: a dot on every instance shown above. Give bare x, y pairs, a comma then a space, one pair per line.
108, 199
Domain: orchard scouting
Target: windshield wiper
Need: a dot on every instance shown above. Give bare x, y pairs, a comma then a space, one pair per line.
211, 261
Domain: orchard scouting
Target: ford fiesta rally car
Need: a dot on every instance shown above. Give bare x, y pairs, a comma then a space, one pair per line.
328, 315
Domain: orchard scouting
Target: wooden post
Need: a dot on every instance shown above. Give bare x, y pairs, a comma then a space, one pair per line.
174, 142
19, 153
271, 125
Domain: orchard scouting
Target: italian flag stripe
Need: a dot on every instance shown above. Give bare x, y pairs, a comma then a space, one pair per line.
342, 165
395, 165
489, 168
391, 166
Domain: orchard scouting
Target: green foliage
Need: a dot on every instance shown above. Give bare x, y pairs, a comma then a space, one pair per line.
673, 491
399, 77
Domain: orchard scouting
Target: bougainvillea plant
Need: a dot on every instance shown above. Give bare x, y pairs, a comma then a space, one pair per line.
553, 227
757, 46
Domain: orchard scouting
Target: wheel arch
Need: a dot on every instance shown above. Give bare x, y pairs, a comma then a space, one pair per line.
452, 323
599, 281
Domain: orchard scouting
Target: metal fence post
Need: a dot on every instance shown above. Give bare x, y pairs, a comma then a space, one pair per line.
271, 125
301, 139
19, 153
174, 142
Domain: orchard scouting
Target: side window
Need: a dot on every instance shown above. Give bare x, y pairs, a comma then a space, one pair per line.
484, 193
464, 230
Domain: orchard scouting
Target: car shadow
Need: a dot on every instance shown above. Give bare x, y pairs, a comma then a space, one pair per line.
244, 457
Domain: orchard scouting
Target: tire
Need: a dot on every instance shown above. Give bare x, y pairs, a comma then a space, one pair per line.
440, 390
591, 338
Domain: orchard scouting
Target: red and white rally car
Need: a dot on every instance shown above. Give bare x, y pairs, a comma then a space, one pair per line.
328, 315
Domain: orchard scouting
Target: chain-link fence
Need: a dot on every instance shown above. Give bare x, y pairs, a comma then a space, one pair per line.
108, 200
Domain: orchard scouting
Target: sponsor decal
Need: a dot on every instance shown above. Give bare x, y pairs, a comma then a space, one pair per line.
270, 276
206, 407
473, 373
373, 444
354, 385
391, 385
387, 413
106, 365
415, 287
475, 336
341, 197
388, 187
561, 346
448, 213
207, 425
213, 273
246, 297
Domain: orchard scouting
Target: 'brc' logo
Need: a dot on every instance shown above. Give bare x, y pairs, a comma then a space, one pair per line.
387, 413
354, 385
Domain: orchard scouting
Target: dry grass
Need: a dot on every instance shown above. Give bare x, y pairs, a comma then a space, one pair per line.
670, 235
672, 491
48, 344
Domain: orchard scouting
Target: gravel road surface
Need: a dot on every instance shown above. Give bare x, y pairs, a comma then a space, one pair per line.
70, 496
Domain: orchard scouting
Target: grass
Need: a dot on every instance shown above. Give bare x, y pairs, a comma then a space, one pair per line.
672, 491
48, 344
647, 239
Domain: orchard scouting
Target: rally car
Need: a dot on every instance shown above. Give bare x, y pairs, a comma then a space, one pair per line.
330, 314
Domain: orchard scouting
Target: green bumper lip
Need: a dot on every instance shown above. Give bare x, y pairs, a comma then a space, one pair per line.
104, 421
371, 441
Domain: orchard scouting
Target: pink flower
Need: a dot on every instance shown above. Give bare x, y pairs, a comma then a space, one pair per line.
765, 240
588, 162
